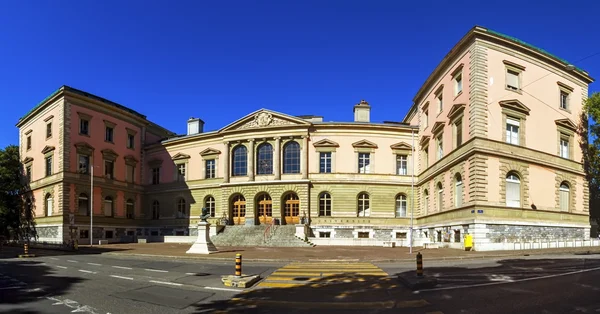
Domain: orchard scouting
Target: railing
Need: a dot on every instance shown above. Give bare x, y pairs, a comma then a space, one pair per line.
269, 231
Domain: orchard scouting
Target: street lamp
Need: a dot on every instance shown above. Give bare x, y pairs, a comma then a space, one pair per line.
412, 192
92, 204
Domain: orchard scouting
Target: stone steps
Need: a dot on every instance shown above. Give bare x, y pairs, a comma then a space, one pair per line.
282, 236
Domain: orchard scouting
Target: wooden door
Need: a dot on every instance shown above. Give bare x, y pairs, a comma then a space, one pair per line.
292, 209
238, 211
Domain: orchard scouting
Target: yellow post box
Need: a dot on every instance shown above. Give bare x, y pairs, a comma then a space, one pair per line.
468, 242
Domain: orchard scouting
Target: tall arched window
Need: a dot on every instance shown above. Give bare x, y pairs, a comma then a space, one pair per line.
49, 204
325, 204
364, 208
264, 162
84, 204
291, 157
108, 206
458, 191
513, 190
240, 161
425, 201
155, 210
181, 208
564, 196
401, 205
210, 204
440, 196
129, 209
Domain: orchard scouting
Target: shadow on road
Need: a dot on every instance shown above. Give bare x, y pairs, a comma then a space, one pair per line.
13, 251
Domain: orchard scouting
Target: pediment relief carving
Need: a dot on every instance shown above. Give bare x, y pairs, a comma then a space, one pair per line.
364, 144
326, 143
263, 119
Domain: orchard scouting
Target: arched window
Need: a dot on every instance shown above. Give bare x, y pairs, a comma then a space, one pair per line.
108, 206
440, 196
564, 196
425, 201
325, 204
84, 204
129, 209
49, 204
458, 191
513, 190
264, 162
181, 208
155, 210
364, 208
291, 157
240, 161
401, 205
210, 204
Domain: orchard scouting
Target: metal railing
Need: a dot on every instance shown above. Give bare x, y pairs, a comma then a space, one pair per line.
269, 231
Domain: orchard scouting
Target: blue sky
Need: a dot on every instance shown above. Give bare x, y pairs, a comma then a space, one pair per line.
220, 60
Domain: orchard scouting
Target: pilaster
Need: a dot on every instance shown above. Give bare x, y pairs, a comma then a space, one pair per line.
478, 91
304, 161
251, 160
478, 178
277, 159
226, 163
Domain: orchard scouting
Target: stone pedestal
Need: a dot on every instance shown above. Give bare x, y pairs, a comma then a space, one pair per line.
203, 245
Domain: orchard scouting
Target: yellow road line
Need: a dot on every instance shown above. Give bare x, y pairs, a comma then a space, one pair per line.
279, 285
303, 279
313, 274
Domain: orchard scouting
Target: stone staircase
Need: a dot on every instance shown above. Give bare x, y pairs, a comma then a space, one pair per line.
255, 236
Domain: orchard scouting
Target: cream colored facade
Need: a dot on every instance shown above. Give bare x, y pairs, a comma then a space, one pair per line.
489, 148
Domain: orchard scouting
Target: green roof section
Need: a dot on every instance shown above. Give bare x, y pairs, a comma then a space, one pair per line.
40, 103
532, 47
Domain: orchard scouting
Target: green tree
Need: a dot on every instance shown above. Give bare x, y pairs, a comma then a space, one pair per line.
589, 129
15, 221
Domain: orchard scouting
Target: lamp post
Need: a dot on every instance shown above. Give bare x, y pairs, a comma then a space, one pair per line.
412, 192
91, 205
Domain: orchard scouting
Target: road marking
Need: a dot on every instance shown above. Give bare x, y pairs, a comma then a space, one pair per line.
122, 267
54, 258
121, 277
95, 264
72, 261
191, 274
508, 282
63, 267
166, 283
157, 270
87, 271
331, 305
223, 289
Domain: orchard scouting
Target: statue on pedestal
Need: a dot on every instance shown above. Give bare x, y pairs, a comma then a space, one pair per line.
203, 244
205, 214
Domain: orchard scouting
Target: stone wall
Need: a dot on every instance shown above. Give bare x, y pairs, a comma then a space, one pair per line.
514, 233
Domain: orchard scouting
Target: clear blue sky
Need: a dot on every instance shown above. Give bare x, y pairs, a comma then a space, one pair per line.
220, 60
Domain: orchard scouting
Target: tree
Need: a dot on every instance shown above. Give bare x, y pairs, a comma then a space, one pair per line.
589, 129
15, 221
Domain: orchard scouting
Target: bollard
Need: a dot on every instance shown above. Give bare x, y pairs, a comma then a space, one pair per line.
238, 265
419, 265
26, 248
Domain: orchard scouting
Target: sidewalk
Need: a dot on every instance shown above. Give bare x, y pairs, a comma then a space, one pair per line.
319, 253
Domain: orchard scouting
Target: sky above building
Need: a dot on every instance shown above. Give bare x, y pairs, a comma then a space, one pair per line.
220, 60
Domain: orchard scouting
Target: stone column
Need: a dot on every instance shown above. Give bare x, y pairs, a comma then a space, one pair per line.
251, 160
304, 157
277, 159
226, 163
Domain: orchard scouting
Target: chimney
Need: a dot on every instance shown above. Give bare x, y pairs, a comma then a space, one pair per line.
362, 112
195, 126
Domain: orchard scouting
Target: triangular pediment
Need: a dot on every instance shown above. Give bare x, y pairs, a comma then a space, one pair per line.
566, 123
424, 140
107, 152
437, 127
264, 118
364, 144
210, 151
179, 156
326, 143
515, 105
27, 160
456, 110
84, 145
130, 158
401, 145
47, 149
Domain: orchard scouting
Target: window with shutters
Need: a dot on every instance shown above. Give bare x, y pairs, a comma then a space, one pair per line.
512, 80
513, 190
458, 190
564, 195
512, 130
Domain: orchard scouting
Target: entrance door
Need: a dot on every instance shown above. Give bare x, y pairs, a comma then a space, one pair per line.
292, 209
265, 208
238, 210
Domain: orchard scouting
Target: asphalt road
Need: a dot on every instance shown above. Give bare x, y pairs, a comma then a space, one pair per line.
109, 284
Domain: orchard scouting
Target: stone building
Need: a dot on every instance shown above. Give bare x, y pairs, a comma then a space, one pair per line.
488, 148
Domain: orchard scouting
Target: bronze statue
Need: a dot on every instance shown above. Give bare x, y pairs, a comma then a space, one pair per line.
205, 214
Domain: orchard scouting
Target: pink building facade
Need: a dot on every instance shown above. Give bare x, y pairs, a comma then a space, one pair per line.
489, 149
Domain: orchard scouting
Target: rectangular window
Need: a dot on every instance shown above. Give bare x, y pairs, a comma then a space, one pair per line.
84, 164
364, 163
48, 166
440, 102
130, 173
325, 205
426, 157
28, 173
363, 235
130, 141
426, 118
458, 132
440, 147
401, 165
564, 100
564, 147
324, 234
400, 235
84, 234
211, 169
512, 80
156, 175
84, 126
325, 162
109, 234
29, 142
512, 131
109, 169
49, 130
109, 134
181, 168
458, 84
